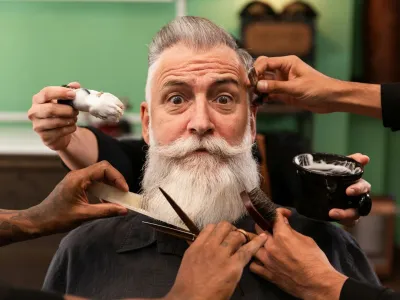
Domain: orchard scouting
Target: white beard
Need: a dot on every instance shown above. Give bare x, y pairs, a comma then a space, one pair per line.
206, 186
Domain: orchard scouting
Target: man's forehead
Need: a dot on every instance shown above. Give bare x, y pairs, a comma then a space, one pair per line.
219, 63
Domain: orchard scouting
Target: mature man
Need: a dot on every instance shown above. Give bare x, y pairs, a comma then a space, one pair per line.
200, 128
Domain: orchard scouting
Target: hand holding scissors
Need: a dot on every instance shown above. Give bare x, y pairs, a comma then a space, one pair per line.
213, 264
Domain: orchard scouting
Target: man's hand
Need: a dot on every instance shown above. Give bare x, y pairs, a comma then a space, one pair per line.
296, 83
55, 123
212, 266
296, 264
67, 206
349, 217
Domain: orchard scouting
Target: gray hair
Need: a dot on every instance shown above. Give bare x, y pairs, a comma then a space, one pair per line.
195, 32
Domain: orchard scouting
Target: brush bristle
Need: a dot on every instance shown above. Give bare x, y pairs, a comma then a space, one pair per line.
263, 204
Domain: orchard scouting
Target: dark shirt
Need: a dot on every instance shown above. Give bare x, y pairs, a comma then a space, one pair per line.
122, 257
390, 102
353, 289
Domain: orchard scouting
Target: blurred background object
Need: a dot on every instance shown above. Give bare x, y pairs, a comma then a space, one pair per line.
103, 45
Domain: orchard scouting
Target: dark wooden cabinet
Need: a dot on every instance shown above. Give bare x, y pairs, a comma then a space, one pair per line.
26, 181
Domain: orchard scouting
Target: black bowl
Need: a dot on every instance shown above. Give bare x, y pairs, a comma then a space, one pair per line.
322, 190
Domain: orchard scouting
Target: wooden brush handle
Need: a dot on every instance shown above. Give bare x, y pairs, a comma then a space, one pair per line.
257, 217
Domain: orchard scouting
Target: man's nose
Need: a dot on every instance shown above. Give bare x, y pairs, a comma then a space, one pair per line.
200, 122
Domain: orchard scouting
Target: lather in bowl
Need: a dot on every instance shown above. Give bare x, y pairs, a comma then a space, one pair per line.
322, 190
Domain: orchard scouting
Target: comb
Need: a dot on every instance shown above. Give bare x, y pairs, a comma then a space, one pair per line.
129, 200
260, 207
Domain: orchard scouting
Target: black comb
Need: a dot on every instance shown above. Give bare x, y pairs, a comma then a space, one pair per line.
260, 208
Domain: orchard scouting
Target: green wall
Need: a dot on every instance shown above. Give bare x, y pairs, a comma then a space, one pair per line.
103, 45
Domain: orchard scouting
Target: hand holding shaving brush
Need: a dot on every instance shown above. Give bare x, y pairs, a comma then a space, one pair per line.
54, 123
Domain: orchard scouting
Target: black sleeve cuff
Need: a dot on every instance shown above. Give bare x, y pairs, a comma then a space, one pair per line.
353, 289
390, 102
105, 143
23, 294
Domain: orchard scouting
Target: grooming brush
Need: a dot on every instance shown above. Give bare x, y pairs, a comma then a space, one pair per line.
101, 105
258, 99
260, 208
253, 78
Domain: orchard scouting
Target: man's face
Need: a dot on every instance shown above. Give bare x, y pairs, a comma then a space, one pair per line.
200, 135
199, 93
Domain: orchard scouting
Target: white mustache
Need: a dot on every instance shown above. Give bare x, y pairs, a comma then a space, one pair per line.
216, 146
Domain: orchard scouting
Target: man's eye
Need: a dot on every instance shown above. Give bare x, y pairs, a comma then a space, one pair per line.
176, 100
224, 100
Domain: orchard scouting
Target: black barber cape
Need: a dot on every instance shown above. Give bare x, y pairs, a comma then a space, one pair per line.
8, 293
390, 102
353, 289
122, 258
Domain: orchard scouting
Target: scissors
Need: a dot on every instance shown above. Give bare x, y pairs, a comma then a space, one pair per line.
189, 235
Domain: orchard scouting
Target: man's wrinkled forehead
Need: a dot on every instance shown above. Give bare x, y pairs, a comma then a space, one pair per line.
182, 63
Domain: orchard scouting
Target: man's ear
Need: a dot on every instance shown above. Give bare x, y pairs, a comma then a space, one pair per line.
145, 118
253, 124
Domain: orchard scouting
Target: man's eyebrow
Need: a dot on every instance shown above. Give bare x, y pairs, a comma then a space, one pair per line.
172, 83
222, 81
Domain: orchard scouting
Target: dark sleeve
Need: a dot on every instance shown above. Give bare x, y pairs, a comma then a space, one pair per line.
390, 102
353, 289
23, 294
356, 263
127, 156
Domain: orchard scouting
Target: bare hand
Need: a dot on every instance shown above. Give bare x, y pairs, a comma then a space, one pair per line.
349, 217
296, 83
55, 123
67, 206
296, 264
212, 266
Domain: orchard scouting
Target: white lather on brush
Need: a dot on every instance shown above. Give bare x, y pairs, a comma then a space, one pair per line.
104, 106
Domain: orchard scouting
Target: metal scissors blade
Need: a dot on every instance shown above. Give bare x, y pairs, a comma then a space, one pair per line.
180, 233
188, 222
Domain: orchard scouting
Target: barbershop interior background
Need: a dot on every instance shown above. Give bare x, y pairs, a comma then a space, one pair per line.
102, 44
